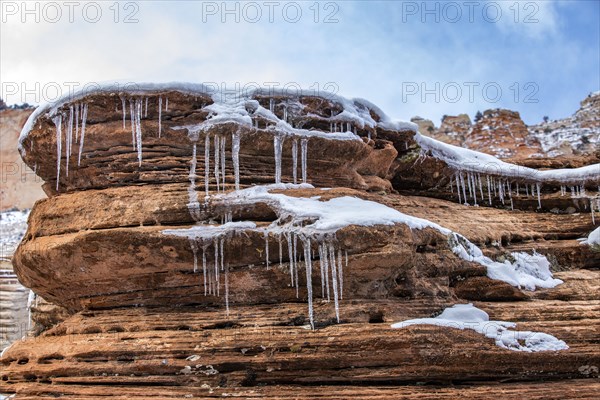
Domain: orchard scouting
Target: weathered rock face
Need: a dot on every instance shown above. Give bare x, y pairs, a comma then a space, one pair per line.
181, 279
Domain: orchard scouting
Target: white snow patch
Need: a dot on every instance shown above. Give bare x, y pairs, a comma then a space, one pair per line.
593, 238
474, 161
466, 316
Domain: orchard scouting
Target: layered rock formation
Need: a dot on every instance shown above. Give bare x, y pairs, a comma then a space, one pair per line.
261, 244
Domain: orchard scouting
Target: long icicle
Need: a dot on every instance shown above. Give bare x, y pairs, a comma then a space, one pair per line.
69, 137
207, 164
267, 249
325, 266
309, 289
223, 159
204, 269
291, 256
133, 119
217, 161
235, 155
304, 152
278, 148
334, 281
296, 261
295, 160
322, 271
159, 115
138, 129
82, 138
58, 123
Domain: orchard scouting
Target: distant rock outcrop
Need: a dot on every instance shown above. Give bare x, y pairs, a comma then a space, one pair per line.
503, 134
578, 134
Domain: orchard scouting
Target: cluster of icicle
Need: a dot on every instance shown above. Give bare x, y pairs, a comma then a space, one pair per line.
470, 187
495, 187
75, 119
300, 252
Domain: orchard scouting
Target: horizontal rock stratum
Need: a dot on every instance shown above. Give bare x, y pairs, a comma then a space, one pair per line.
207, 242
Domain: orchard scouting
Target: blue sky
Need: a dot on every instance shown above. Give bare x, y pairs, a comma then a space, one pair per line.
543, 56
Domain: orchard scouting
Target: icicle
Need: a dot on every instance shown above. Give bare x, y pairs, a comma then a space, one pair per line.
133, 119
194, 247
334, 282
510, 195
69, 137
462, 182
223, 160
340, 274
146, 109
159, 115
77, 122
489, 189
592, 210
309, 289
221, 255
325, 265
451, 185
267, 249
82, 138
295, 160
204, 269
458, 188
193, 204
304, 152
124, 111
291, 256
474, 184
138, 129
278, 145
217, 160
167, 104
469, 184
280, 251
322, 270
235, 155
206, 163
480, 186
227, 290
296, 261
58, 123
501, 190
271, 105
216, 246
538, 187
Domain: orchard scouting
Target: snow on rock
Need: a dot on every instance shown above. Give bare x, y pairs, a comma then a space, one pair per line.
473, 161
466, 316
309, 221
527, 271
593, 238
